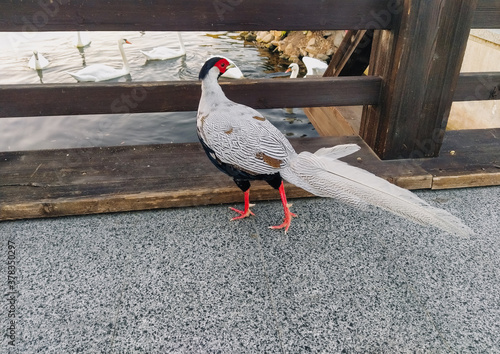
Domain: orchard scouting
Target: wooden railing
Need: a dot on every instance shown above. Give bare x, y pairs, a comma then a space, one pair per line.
414, 78
415, 68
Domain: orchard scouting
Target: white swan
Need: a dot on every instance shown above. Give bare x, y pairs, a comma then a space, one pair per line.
37, 61
101, 72
164, 53
81, 40
314, 66
294, 68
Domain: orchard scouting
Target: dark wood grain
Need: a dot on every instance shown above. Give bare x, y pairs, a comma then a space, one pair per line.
101, 98
215, 15
478, 86
420, 60
468, 158
487, 14
181, 15
50, 183
109, 179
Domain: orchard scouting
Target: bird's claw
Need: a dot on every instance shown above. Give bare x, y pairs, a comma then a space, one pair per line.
287, 221
243, 214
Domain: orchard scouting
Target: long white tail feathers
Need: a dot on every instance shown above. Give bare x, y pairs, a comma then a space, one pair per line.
325, 176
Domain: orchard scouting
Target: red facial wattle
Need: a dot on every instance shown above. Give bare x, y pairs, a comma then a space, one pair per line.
222, 65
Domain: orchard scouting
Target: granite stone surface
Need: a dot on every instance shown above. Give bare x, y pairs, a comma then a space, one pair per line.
188, 280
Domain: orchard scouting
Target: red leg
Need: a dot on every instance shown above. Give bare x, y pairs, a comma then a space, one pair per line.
286, 207
247, 212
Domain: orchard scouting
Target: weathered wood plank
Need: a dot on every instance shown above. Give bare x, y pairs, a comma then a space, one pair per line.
110, 179
468, 158
420, 61
180, 15
344, 51
102, 98
217, 15
487, 14
478, 86
404, 173
328, 121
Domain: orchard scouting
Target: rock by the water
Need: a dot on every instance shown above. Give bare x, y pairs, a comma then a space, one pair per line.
294, 44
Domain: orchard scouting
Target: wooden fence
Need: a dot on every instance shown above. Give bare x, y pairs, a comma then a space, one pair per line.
414, 78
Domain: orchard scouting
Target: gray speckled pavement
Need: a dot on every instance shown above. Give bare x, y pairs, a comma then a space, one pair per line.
190, 281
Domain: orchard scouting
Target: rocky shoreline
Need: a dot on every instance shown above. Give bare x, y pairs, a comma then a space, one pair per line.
292, 45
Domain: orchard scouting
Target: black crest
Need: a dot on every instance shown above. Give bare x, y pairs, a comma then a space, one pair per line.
209, 64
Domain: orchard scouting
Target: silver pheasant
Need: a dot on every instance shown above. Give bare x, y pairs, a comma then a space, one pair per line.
246, 146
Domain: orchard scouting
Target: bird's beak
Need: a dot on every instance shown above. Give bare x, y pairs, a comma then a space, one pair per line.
288, 70
127, 42
231, 65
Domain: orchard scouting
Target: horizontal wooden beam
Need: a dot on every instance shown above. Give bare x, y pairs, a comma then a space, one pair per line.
468, 158
478, 86
50, 183
181, 15
487, 14
108, 98
216, 15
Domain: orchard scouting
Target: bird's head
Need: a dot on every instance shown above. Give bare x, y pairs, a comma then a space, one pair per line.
220, 64
292, 67
123, 41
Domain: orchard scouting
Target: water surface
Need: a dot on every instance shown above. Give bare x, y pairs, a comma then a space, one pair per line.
34, 133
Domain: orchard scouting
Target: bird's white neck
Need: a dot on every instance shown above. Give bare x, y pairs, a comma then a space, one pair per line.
181, 43
124, 58
210, 88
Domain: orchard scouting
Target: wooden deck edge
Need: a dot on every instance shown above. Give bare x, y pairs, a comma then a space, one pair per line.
141, 201
98, 180
231, 194
198, 197
466, 180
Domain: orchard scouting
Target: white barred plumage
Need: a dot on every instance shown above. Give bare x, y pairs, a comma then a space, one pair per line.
246, 146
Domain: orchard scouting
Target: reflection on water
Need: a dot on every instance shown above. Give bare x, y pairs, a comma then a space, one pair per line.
82, 54
147, 128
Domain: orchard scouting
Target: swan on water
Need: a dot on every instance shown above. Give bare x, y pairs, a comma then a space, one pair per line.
314, 66
165, 53
81, 40
37, 61
294, 69
101, 72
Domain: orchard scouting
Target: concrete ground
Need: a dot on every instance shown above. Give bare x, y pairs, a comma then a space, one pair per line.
190, 281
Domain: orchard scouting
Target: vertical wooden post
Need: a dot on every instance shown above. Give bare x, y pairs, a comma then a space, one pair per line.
419, 60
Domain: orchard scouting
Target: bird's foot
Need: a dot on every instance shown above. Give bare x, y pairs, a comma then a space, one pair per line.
287, 221
243, 214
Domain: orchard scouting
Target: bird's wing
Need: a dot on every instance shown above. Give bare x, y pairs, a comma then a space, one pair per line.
242, 137
43, 61
31, 62
97, 72
162, 52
